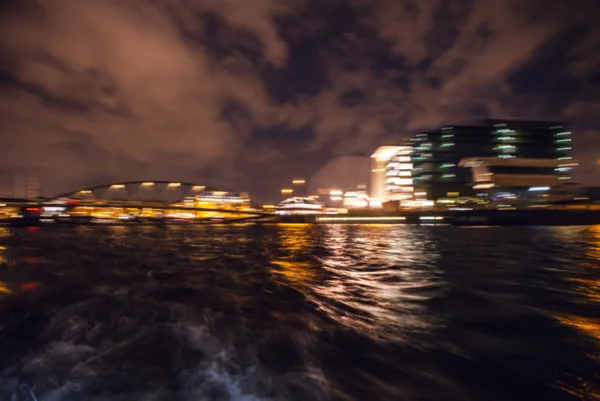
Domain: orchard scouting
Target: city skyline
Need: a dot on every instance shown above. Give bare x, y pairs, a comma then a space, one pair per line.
249, 97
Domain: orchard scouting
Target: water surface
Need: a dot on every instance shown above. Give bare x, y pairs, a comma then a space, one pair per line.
300, 312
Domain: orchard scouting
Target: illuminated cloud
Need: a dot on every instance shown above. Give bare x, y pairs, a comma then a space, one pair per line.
233, 92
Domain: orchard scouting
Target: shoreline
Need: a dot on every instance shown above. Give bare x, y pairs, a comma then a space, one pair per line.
540, 217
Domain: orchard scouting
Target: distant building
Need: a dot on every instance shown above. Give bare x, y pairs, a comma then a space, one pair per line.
32, 187
19, 186
592, 193
6, 185
391, 173
511, 182
436, 155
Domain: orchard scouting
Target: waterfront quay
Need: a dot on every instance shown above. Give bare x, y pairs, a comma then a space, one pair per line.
162, 202
558, 217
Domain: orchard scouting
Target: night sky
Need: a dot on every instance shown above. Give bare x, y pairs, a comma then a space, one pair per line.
248, 94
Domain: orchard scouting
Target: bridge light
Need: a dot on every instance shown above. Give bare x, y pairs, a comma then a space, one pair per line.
174, 184
298, 182
287, 191
147, 184
85, 191
198, 187
117, 186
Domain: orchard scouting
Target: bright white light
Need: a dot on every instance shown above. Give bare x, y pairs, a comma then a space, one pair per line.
418, 203
374, 218
534, 189
53, 209
483, 186
374, 203
335, 192
405, 166
385, 153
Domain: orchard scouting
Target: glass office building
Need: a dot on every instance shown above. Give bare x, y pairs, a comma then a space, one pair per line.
436, 155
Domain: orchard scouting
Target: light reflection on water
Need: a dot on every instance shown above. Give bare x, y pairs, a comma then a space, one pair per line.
298, 312
377, 280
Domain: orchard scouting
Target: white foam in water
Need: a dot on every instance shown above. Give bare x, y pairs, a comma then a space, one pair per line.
221, 370
70, 367
212, 373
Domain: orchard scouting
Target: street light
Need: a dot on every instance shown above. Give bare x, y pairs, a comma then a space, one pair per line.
298, 182
287, 191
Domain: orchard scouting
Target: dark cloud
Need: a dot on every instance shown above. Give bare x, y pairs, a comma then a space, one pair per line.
248, 94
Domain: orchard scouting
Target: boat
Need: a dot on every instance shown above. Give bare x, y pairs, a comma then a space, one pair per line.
299, 206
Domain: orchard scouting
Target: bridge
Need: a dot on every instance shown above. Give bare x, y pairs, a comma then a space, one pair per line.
136, 201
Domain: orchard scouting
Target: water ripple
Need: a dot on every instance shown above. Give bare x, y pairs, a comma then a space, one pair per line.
299, 312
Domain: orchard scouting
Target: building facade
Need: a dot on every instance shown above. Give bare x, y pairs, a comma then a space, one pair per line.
436, 156
514, 182
391, 174
19, 186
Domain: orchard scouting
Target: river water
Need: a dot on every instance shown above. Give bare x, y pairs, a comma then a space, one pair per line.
300, 312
